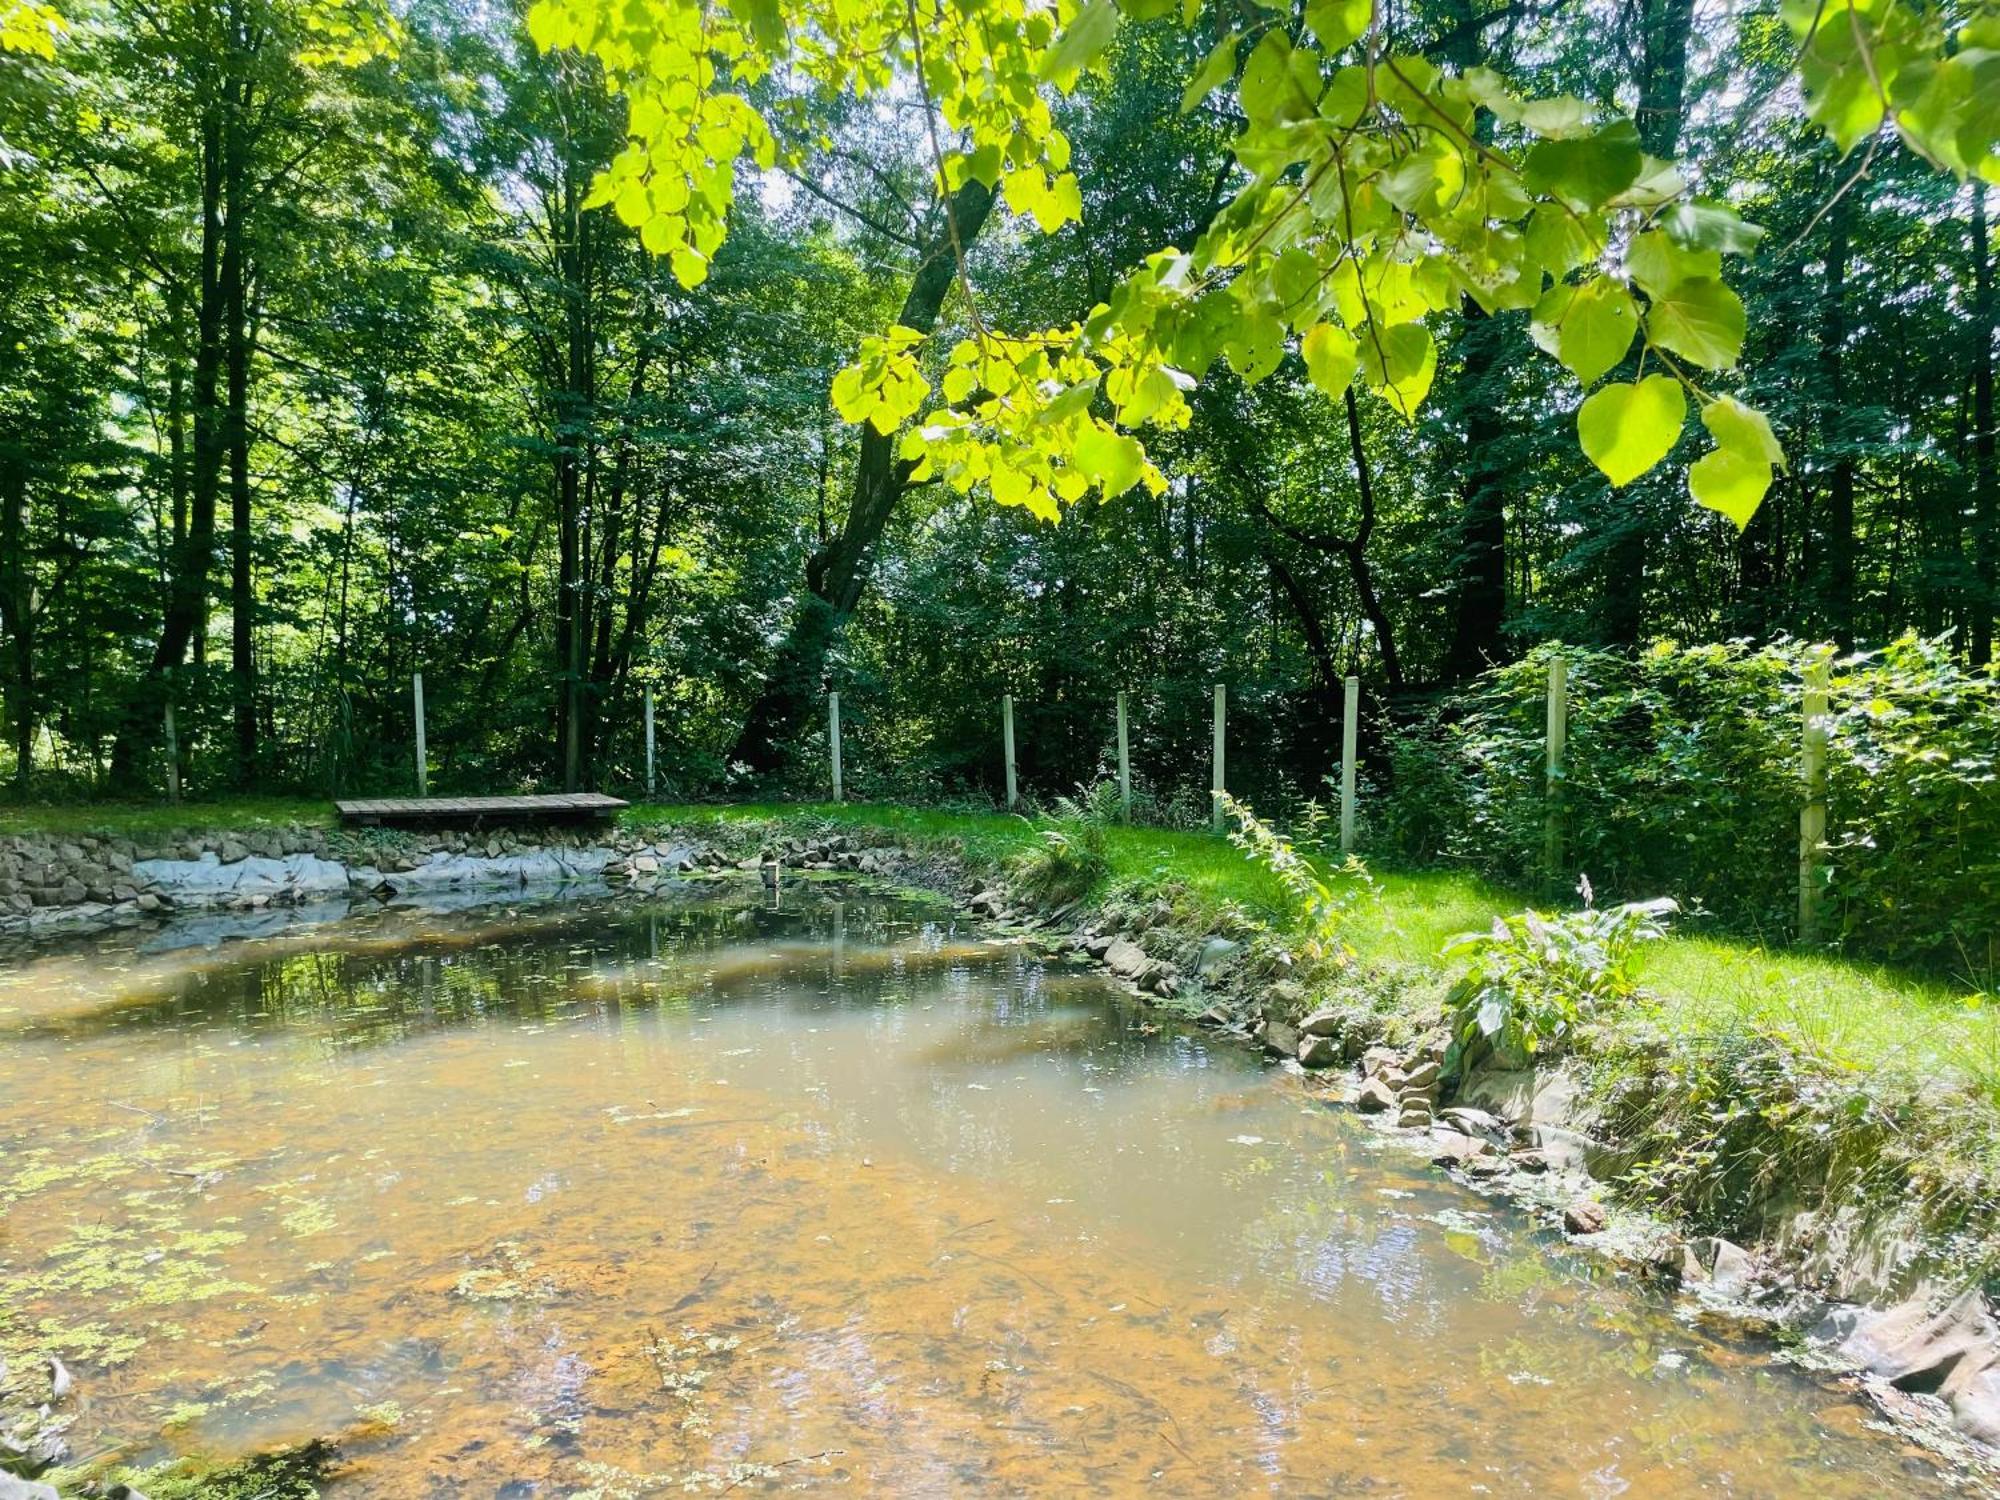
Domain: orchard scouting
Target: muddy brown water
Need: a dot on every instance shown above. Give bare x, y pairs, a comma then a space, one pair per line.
615, 1201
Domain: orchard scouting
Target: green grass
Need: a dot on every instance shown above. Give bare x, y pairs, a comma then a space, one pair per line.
159, 820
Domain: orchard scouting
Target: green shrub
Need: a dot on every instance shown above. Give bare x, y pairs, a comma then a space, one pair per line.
1531, 981
1070, 856
1317, 902
1682, 774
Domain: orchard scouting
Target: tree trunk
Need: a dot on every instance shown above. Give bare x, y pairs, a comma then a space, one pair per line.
17, 615
837, 573
194, 551
1480, 561
1363, 573
575, 411
237, 353
1833, 561
1985, 479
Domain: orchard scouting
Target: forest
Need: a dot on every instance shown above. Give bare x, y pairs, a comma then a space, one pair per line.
328, 364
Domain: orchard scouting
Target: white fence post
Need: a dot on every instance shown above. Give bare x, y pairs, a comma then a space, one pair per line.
1007, 747
1812, 813
1124, 764
423, 756
1350, 735
649, 742
833, 739
1558, 743
1215, 794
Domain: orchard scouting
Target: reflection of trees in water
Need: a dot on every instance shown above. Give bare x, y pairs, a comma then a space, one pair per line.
384, 976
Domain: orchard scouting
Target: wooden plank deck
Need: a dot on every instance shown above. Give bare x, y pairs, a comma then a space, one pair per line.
554, 808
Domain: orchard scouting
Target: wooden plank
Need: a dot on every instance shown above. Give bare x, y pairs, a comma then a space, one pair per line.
449, 809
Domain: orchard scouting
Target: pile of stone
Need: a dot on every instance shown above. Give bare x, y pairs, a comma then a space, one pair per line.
833, 852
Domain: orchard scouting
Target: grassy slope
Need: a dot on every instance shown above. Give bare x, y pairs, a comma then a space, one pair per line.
1869, 1018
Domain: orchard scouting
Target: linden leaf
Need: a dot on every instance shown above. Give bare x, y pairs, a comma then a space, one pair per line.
1337, 23
1086, 36
1587, 172
1110, 459
1596, 330
1730, 481
1331, 356
1743, 429
1627, 429
1213, 72
1699, 319
1399, 363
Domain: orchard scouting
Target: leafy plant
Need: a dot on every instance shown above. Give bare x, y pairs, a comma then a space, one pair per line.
1532, 980
1070, 856
1318, 903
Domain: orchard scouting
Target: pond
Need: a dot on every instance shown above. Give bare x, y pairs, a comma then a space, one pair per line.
616, 1200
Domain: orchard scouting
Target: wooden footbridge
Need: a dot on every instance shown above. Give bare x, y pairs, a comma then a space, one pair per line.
477, 812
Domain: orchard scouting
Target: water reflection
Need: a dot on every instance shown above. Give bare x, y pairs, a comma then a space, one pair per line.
607, 1200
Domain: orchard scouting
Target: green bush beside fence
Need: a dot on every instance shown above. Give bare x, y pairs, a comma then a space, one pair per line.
1682, 778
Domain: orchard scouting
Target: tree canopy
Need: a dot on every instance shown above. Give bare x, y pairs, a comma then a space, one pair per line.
573, 350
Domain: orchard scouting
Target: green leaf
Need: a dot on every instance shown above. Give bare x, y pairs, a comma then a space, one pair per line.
1627, 429
986, 164
1596, 330
1701, 225
1110, 459
1338, 23
1089, 34
1589, 172
1731, 482
1742, 429
1331, 356
1255, 342
1213, 72
1699, 319
1400, 362
1656, 262
545, 23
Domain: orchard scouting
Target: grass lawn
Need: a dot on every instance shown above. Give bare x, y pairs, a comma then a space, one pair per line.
158, 820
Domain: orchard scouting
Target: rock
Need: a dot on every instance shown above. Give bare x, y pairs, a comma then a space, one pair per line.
1585, 1216
1327, 1023
1951, 1351
1523, 1097
1129, 960
1318, 1051
1414, 1115
1454, 1148
1215, 1015
1421, 1077
1531, 1161
232, 851
1216, 952
72, 891
1475, 1122
1280, 1037
1377, 1061
1727, 1268
1375, 1098
12, 1488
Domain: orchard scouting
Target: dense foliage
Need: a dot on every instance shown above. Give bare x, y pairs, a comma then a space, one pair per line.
323, 371
1682, 776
